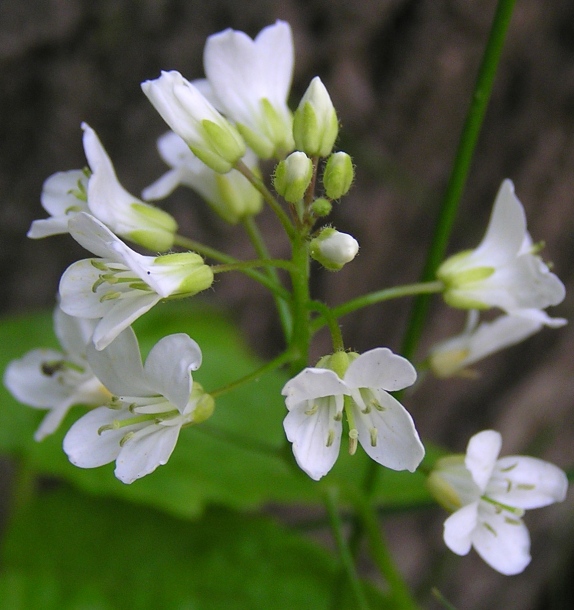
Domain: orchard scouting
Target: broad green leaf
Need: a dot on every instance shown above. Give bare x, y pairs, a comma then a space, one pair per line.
65, 551
238, 458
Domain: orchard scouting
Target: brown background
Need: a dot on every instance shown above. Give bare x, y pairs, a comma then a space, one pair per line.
400, 73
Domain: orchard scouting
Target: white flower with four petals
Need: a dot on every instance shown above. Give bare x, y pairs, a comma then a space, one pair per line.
317, 397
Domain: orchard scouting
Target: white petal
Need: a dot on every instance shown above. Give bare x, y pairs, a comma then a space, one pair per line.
481, 453
309, 435
76, 295
540, 316
93, 235
47, 227
58, 192
164, 185
506, 229
501, 540
398, 445
242, 71
527, 482
51, 421
119, 366
146, 451
459, 528
312, 383
88, 449
73, 333
26, 382
380, 368
122, 313
168, 367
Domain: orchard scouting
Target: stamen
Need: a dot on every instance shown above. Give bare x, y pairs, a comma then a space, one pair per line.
373, 432
330, 437
126, 438
312, 410
109, 296
353, 436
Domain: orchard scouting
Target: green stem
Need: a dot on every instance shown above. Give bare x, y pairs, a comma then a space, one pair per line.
301, 336
377, 297
243, 265
261, 248
381, 555
346, 558
331, 321
277, 362
463, 159
268, 196
274, 286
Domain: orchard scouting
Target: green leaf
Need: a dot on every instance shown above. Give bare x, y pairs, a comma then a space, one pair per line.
66, 551
239, 458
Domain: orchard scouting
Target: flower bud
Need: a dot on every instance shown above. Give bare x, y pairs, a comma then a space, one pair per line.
187, 271
204, 403
293, 176
315, 123
209, 135
338, 175
321, 207
334, 249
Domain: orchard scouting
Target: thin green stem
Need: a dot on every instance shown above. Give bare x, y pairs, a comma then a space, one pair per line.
381, 555
268, 196
277, 362
462, 163
243, 265
331, 321
260, 246
377, 297
274, 286
346, 558
196, 246
301, 336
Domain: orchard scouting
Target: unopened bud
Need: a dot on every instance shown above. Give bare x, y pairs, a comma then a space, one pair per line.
334, 249
321, 207
315, 123
338, 175
293, 176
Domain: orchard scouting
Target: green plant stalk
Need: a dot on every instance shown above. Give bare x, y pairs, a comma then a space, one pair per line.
461, 166
381, 555
301, 336
276, 363
331, 321
379, 296
274, 286
243, 265
268, 197
347, 562
261, 248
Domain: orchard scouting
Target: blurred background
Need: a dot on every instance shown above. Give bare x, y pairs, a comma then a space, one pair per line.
401, 74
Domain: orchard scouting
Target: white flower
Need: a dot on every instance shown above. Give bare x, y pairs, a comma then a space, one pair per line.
490, 496
250, 79
231, 195
123, 213
187, 112
477, 341
122, 285
66, 193
53, 380
504, 271
317, 397
63, 194
151, 403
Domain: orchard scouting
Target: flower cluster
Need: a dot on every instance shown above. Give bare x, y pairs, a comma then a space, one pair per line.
221, 127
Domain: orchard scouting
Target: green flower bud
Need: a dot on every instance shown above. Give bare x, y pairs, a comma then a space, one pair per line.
315, 123
293, 176
187, 271
333, 249
338, 175
321, 207
205, 404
